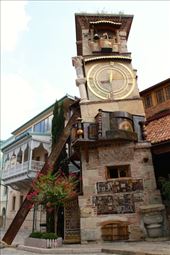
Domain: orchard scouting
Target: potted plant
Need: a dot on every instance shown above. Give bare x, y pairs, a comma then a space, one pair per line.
43, 240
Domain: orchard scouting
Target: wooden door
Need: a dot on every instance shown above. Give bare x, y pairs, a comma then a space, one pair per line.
115, 231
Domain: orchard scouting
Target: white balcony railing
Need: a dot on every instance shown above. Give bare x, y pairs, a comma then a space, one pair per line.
22, 169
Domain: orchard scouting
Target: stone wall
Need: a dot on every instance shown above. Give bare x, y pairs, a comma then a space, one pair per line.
116, 200
90, 109
157, 108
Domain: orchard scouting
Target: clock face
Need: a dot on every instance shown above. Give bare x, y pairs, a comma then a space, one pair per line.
110, 80
126, 125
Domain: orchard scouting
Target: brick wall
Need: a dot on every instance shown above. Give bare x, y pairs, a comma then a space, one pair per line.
157, 108
96, 203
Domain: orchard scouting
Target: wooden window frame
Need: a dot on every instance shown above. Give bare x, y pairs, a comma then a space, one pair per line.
167, 92
13, 203
117, 169
160, 98
21, 199
148, 101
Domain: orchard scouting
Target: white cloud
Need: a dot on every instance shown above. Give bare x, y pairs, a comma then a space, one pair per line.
17, 103
50, 93
14, 20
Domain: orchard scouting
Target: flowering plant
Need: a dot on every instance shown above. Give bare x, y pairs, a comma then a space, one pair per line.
52, 190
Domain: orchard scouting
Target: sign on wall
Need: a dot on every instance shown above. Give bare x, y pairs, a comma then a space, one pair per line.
116, 186
109, 204
118, 196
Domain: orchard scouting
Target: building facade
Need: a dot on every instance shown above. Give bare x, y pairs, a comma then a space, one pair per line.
3, 188
3, 194
156, 98
23, 158
157, 107
120, 199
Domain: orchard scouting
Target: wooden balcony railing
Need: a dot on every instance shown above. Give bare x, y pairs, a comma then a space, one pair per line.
21, 169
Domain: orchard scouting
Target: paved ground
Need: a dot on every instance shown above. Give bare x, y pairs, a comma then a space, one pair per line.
11, 251
150, 247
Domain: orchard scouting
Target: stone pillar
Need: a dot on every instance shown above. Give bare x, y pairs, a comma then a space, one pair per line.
80, 81
82, 88
78, 64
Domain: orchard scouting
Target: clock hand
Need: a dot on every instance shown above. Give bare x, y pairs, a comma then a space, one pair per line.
105, 81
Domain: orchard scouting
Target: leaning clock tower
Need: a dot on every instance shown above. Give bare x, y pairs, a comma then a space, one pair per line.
119, 197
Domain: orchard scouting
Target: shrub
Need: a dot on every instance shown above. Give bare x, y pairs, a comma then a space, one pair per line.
49, 236
36, 235
43, 235
165, 187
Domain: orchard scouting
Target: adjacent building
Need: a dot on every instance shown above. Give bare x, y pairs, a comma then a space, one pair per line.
3, 188
3, 194
24, 155
156, 101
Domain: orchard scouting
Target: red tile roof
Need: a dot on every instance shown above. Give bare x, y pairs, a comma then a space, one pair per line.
158, 130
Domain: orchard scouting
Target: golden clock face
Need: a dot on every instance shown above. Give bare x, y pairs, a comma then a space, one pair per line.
110, 80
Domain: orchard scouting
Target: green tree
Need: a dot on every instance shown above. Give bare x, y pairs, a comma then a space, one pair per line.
51, 190
165, 187
58, 124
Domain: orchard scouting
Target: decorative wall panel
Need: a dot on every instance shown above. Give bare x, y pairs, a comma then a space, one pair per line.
109, 204
118, 196
116, 186
71, 222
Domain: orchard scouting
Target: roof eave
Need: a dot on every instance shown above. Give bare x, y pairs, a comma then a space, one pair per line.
154, 86
41, 113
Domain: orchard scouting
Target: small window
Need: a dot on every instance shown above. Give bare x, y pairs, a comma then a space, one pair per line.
148, 101
45, 157
19, 157
118, 171
167, 92
37, 158
37, 127
13, 203
160, 96
3, 211
50, 122
21, 199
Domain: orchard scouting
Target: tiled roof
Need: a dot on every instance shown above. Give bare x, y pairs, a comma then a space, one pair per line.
158, 130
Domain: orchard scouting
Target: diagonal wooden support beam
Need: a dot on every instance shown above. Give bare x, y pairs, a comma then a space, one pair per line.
52, 159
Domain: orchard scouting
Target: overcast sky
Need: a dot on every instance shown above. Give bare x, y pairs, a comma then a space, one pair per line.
38, 42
